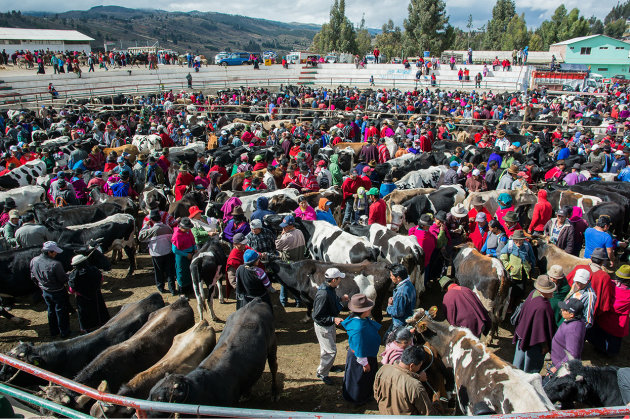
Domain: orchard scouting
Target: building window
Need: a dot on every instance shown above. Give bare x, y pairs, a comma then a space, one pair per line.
602, 69
585, 51
603, 47
620, 48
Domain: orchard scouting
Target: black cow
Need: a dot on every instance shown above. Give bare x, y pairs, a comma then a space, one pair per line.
180, 208
74, 214
443, 199
592, 386
615, 211
208, 267
15, 271
302, 278
248, 341
68, 357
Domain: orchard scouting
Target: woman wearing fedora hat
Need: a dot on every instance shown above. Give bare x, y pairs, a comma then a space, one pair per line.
238, 224
183, 247
364, 342
535, 327
84, 282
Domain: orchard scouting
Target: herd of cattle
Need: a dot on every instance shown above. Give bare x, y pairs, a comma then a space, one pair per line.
149, 350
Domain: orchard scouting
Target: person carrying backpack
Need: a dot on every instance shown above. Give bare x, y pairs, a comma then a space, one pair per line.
123, 188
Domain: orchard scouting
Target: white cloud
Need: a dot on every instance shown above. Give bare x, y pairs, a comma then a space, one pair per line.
376, 12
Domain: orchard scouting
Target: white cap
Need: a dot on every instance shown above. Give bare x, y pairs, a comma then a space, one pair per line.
595, 147
51, 247
619, 153
476, 172
582, 276
332, 273
78, 259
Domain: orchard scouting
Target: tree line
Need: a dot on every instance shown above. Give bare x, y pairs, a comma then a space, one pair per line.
427, 28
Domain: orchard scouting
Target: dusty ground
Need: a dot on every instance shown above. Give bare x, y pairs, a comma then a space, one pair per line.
298, 352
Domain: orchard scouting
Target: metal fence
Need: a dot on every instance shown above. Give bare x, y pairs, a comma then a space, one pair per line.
144, 406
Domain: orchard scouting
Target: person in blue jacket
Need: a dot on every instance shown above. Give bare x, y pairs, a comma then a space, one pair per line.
323, 212
400, 306
262, 209
364, 343
387, 186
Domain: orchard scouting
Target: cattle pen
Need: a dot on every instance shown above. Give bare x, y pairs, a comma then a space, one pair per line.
142, 407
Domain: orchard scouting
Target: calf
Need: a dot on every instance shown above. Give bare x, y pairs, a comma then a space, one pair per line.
68, 357
23, 175
591, 386
487, 278
113, 233
480, 375
236, 363
188, 350
303, 278
74, 214
331, 244
549, 254
207, 267
398, 196
25, 197
119, 363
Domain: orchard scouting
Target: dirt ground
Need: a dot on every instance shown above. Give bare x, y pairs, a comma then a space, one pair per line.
298, 351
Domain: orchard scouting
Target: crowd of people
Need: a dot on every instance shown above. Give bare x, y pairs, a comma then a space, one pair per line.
560, 311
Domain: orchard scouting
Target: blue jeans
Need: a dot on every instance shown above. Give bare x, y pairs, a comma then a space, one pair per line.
58, 315
531, 360
284, 298
348, 213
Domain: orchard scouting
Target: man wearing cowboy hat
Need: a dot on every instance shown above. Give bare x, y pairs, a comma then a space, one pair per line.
463, 308
478, 205
518, 259
612, 326
511, 224
326, 308
508, 177
535, 327
52, 279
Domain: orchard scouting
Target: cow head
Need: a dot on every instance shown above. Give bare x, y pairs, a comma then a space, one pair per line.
567, 385
171, 389
397, 214
57, 394
24, 352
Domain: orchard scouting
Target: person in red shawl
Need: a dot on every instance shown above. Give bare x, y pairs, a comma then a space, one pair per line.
425, 141
378, 208
542, 213
95, 160
600, 282
218, 167
477, 206
556, 174
479, 235
235, 259
511, 223
184, 179
463, 308
535, 327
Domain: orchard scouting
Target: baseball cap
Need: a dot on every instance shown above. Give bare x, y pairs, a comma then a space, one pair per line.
582, 276
454, 163
476, 172
256, 223
480, 217
555, 272
239, 238
289, 220
51, 246
572, 305
332, 273
373, 191
14, 214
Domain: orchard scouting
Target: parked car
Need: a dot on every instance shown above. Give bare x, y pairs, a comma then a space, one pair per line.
220, 56
236, 58
332, 58
370, 59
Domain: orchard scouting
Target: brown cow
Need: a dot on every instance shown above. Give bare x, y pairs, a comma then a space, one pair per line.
480, 375
188, 350
398, 196
488, 279
127, 148
356, 147
235, 183
549, 254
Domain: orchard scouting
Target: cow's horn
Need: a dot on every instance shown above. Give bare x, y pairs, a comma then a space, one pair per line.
103, 387
579, 378
66, 399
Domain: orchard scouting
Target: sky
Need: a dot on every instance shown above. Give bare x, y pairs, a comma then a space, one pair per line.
376, 12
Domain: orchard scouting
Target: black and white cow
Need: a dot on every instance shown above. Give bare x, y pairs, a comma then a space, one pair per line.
25, 196
591, 386
74, 214
423, 178
23, 175
331, 244
396, 248
443, 199
207, 267
114, 233
147, 143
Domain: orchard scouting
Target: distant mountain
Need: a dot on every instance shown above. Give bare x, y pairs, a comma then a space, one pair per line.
202, 32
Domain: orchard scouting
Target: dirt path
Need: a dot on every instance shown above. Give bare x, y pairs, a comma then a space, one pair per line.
298, 352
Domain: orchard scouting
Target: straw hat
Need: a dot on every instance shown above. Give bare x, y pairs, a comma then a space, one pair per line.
459, 211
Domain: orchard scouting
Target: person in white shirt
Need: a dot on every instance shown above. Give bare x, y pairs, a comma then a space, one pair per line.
158, 235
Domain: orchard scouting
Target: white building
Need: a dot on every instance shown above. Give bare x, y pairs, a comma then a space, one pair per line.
17, 39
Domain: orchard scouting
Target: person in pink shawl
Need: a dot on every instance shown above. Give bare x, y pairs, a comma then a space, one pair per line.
183, 245
228, 207
304, 210
579, 226
397, 341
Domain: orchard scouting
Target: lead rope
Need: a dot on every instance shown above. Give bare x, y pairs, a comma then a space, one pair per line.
429, 366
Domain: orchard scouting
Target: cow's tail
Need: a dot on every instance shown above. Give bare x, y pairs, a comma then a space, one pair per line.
198, 285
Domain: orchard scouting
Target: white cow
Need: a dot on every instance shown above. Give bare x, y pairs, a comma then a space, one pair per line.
147, 143
25, 197
331, 244
423, 178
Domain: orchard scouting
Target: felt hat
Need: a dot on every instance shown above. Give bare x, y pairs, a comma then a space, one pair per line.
186, 223
555, 272
78, 259
518, 235
359, 303
510, 217
459, 211
544, 284
600, 253
477, 200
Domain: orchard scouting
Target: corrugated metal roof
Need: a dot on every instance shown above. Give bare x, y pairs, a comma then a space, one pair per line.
578, 39
42, 35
